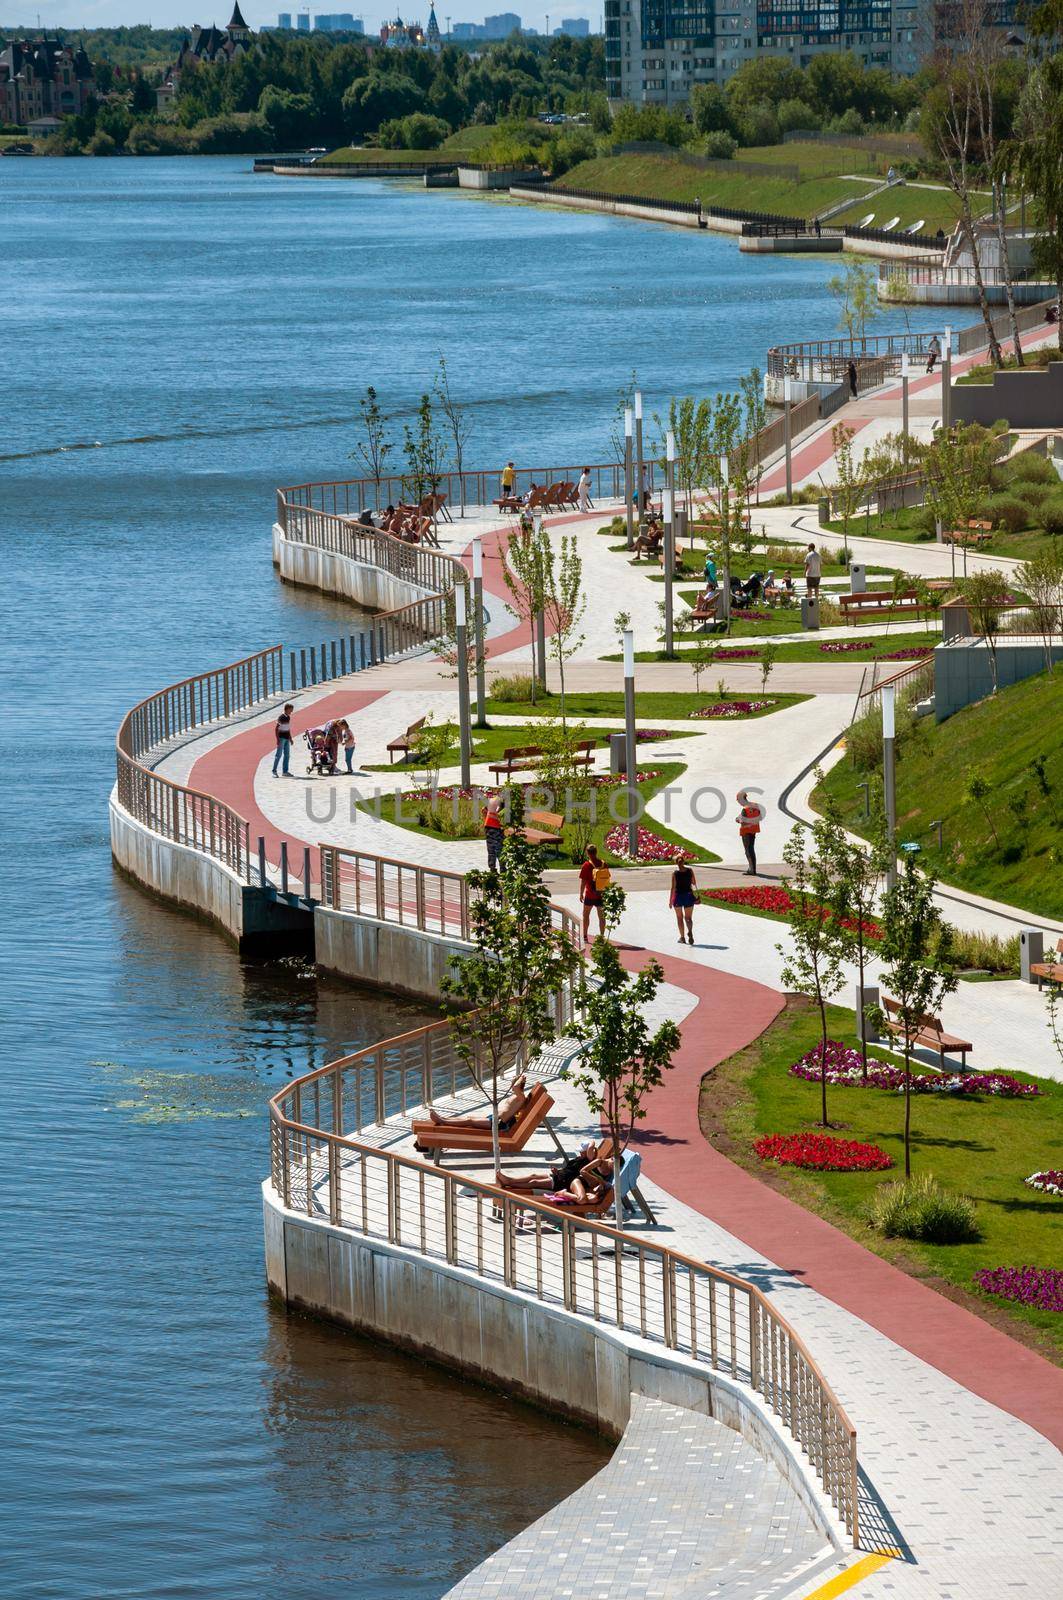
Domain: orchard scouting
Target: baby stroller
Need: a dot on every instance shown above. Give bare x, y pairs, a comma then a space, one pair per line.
323, 747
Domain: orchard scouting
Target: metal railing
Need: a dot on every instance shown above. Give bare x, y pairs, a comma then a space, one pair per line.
482, 487
319, 1166
913, 241
1026, 318
828, 358
914, 681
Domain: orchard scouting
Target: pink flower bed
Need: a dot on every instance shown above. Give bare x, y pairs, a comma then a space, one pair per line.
650, 846
1040, 1287
845, 647
845, 1068
914, 652
1050, 1182
646, 735
733, 708
609, 780
821, 1153
737, 655
752, 616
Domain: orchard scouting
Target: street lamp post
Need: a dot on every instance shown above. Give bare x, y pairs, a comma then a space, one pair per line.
478, 629
905, 371
669, 543
638, 456
629, 423
946, 380
889, 779
461, 630
725, 530
630, 760
787, 441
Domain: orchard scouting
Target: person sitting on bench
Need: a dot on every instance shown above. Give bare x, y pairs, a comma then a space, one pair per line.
508, 1112
649, 541
558, 1178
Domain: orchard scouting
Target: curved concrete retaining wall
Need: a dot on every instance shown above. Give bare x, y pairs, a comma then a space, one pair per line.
509, 1340
369, 587
383, 954
623, 208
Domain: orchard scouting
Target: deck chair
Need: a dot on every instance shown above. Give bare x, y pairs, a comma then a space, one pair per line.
435, 1137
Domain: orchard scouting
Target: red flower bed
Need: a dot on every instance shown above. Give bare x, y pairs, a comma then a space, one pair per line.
821, 1153
914, 652
779, 901
651, 846
737, 655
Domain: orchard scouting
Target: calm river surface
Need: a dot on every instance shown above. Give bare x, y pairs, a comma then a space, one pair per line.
207, 333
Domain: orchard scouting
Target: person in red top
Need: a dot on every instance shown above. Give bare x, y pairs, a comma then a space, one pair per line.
494, 835
748, 820
593, 879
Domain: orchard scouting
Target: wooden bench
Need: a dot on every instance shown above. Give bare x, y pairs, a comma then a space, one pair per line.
527, 757
966, 536
542, 827
406, 744
874, 603
1048, 971
435, 1137
927, 1032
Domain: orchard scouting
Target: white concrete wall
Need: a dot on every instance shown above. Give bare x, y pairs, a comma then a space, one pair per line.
619, 208
369, 587
382, 953
510, 1340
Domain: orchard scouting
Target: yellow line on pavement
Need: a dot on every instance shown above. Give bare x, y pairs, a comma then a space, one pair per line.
851, 1576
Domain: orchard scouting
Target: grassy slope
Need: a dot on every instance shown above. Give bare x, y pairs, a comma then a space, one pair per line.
466, 142
903, 527
996, 738
981, 1147
648, 704
935, 208
662, 177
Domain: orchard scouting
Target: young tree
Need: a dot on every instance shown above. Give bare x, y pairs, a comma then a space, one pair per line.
688, 422
915, 952
1041, 580
567, 781
813, 964
856, 872
424, 451
850, 483
702, 657
457, 422
768, 654
563, 600
373, 451
976, 791
518, 962
1035, 156
622, 1062
856, 292
983, 594
625, 401
754, 418
526, 579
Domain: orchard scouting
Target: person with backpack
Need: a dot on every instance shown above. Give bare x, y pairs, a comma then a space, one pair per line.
594, 879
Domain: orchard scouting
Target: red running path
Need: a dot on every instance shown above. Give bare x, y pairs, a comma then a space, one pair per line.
731, 1013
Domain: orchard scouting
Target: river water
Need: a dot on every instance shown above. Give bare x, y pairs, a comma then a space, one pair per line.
179, 337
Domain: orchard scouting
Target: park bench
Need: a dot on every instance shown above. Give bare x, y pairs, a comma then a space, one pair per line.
927, 1032
406, 743
1049, 971
435, 1137
967, 536
874, 603
508, 502
527, 757
542, 827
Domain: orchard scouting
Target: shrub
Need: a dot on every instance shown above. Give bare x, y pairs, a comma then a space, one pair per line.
985, 951
1030, 468
921, 1209
1005, 511
720, 145
1051, 515
101, 144
1034, 494
517, 688
418, 131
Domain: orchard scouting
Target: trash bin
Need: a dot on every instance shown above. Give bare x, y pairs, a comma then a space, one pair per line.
858, 578
823, 508
810, 613
618, 754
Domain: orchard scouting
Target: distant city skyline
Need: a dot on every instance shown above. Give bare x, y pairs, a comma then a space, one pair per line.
70, 15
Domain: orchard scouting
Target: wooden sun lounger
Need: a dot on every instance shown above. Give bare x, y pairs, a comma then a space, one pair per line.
439, 1136
630, 1194
927, 1032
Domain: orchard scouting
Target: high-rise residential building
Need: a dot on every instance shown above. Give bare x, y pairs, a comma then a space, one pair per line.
576, 27
284, 19
467, 30
302, 22
502, 26
656, 51
339, 22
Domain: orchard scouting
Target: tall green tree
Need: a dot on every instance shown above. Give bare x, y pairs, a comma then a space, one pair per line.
425, 451
812, 965
856, 871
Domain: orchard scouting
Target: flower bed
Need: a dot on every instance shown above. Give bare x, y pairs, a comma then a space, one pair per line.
1040, 1287
845, 1067
752, 616
651, 846
780, 903
845, 647
607, 780
820, 1153
914, 652
733, 708
737, 655
646, 735
1050, 1182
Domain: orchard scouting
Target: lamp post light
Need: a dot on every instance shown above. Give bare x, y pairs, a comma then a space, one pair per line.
629, 424
725, 530
787, 441
478, 629
946, 379
638, 456
905, 372
889, 778
629, 759
669, 543
461, 630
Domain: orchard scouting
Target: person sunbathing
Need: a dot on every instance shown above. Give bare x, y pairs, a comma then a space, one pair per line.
508, 1111
593, 1183
558, 1178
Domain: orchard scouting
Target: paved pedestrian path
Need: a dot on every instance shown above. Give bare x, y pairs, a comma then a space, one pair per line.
685, 1507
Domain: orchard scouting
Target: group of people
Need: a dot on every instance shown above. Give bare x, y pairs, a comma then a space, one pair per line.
405, 522
329, 740
525, 502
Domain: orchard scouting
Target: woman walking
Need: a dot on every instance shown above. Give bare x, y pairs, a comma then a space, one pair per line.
594, 878
683, 899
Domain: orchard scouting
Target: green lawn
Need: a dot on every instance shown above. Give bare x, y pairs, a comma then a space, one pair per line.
490, 744
467, 142
610, 809
669, 178
935, 208
984, 1147
878, 645
670, 705
997, 739
904, 526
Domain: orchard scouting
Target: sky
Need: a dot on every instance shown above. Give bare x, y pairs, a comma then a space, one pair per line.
72, 14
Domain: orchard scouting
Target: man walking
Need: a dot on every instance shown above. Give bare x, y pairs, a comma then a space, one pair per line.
583, 490
283, 731
933, 351
813, 570
748, 820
